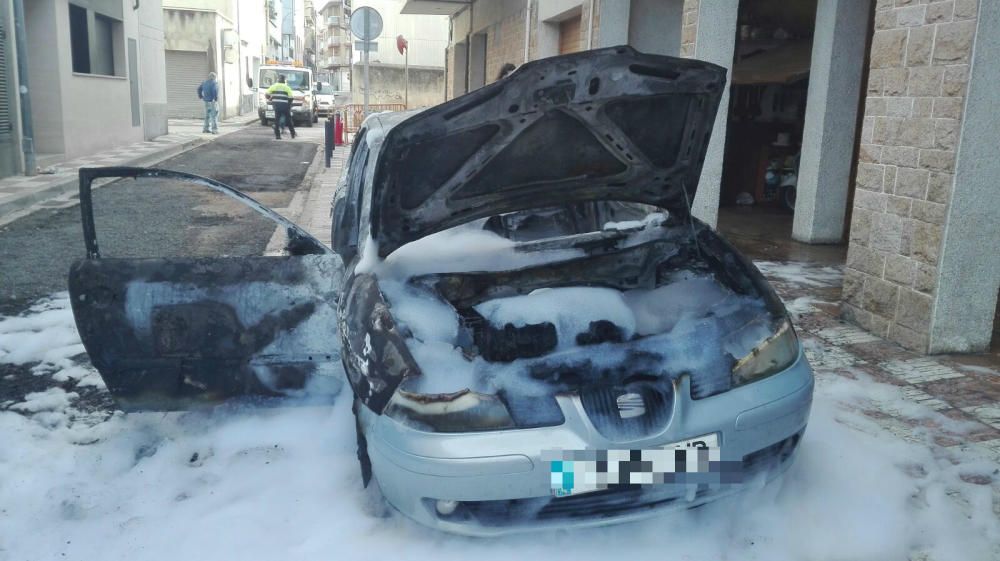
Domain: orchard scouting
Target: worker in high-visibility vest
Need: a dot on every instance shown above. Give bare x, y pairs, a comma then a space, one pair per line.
280, 96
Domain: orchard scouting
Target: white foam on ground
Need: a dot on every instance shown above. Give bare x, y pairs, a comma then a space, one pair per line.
801, 273
284, 484
47, 336
978, 369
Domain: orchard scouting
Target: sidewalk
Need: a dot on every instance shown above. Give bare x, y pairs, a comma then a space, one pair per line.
962, 388
311, 209
22, 195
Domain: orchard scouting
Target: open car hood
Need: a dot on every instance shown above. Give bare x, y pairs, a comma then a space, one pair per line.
608, 124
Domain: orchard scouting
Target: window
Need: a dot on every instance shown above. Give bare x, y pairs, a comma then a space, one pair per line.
104, 52
94, 42
79, 40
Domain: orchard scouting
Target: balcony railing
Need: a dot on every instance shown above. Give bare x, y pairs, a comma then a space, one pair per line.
334, 61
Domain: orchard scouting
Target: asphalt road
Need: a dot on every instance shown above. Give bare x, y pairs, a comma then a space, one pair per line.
152, 218
157, 218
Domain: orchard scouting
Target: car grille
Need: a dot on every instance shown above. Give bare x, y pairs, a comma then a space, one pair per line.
612, 502
598, 504
629, 412
768, 458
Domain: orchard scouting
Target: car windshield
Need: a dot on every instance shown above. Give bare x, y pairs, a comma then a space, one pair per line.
296, 79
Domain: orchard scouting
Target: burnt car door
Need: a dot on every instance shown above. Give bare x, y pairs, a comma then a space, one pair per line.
172, 333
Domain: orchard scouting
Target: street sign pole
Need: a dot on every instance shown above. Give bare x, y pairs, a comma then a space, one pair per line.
364, 57
366, 24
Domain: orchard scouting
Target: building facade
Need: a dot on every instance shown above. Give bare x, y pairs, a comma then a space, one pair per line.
879, 118
334, 44
414, 77
92, 65
231, 38
292, 30
309, 45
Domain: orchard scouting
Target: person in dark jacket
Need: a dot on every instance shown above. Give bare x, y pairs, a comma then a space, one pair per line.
505, 70
280, 96
208, 92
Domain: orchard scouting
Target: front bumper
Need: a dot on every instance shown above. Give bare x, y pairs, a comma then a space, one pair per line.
494, 473
297, 111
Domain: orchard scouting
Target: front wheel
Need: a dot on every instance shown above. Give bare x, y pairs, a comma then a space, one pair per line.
310, 119
263, 121
788, 198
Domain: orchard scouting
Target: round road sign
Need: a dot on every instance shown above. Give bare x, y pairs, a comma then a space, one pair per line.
366, 23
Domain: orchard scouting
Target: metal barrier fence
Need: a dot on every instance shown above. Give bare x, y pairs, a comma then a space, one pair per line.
354, 113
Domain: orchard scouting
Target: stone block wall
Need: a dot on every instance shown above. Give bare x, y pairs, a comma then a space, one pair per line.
504, 43
689, 31
919, 66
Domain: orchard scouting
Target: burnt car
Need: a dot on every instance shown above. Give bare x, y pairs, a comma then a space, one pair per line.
533, 327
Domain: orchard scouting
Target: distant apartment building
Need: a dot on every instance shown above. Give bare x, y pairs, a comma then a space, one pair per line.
292, 30
334, 43
309, 36
94, 78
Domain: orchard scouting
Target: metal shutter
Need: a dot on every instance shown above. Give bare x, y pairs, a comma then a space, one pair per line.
185, 70
6, 125
9, 161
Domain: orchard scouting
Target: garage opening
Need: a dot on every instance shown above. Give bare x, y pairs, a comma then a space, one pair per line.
185, 71
771, 74
767, 107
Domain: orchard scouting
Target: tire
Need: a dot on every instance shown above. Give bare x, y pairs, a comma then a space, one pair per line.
263, 121
310, 119
788, 198
315, 117
364, 462
373, 502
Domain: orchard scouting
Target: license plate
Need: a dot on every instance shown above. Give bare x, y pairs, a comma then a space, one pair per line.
269, 113
582, 471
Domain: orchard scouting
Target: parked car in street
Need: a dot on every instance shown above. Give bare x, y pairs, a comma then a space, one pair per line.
299, 79
325, 99
533, 327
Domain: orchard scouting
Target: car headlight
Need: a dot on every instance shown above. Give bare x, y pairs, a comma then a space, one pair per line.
774, 354
463, 411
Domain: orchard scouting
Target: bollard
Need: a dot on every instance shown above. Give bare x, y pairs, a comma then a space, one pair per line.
328, 134
339, 130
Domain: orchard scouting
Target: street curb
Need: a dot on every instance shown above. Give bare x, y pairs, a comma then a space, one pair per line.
22, 206
297, 206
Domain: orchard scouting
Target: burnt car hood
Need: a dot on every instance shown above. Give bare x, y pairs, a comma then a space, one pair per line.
608, 124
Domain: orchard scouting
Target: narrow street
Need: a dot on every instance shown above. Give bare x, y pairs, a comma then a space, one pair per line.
154, 218
691, 280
